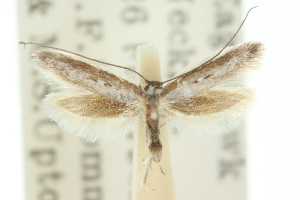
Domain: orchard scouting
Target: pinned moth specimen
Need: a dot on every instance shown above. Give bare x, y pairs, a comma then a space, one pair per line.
97, 101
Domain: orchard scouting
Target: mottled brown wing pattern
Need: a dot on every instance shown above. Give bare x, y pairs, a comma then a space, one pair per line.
92, 102
213, 112
196, 102
91, 116
229, 64
94, 106
102, 96
70, 71
212, 102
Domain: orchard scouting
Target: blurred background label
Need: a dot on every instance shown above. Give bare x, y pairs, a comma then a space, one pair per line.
62, 166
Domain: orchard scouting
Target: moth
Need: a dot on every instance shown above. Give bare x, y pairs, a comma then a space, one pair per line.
97, 101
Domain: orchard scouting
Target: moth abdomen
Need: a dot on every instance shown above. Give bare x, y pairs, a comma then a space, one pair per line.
156, 151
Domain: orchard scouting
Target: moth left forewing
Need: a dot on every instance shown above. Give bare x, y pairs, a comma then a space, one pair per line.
74, 72
73, 56
215, 111
92, 116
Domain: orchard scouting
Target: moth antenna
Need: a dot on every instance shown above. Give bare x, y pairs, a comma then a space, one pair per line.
234, 35
95, 60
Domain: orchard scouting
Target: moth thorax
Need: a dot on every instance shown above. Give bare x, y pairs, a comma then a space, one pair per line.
153, 88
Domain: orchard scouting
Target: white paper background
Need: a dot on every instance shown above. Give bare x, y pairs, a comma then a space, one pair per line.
273, 136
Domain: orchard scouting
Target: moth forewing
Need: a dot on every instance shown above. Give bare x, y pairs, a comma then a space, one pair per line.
70, 71
232, 62
95, 63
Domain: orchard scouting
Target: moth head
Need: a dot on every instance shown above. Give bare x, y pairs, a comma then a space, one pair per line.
153, 87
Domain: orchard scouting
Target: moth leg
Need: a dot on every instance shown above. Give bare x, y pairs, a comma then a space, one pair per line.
143, 120
165, 122
162, 171
148, 162
162, 125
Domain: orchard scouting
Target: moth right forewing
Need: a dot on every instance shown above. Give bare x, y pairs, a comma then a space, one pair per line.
75, 72
226, 66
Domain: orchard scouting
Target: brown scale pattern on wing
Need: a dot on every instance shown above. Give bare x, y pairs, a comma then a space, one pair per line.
208, 103
81, 73
93, 106
218, 70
